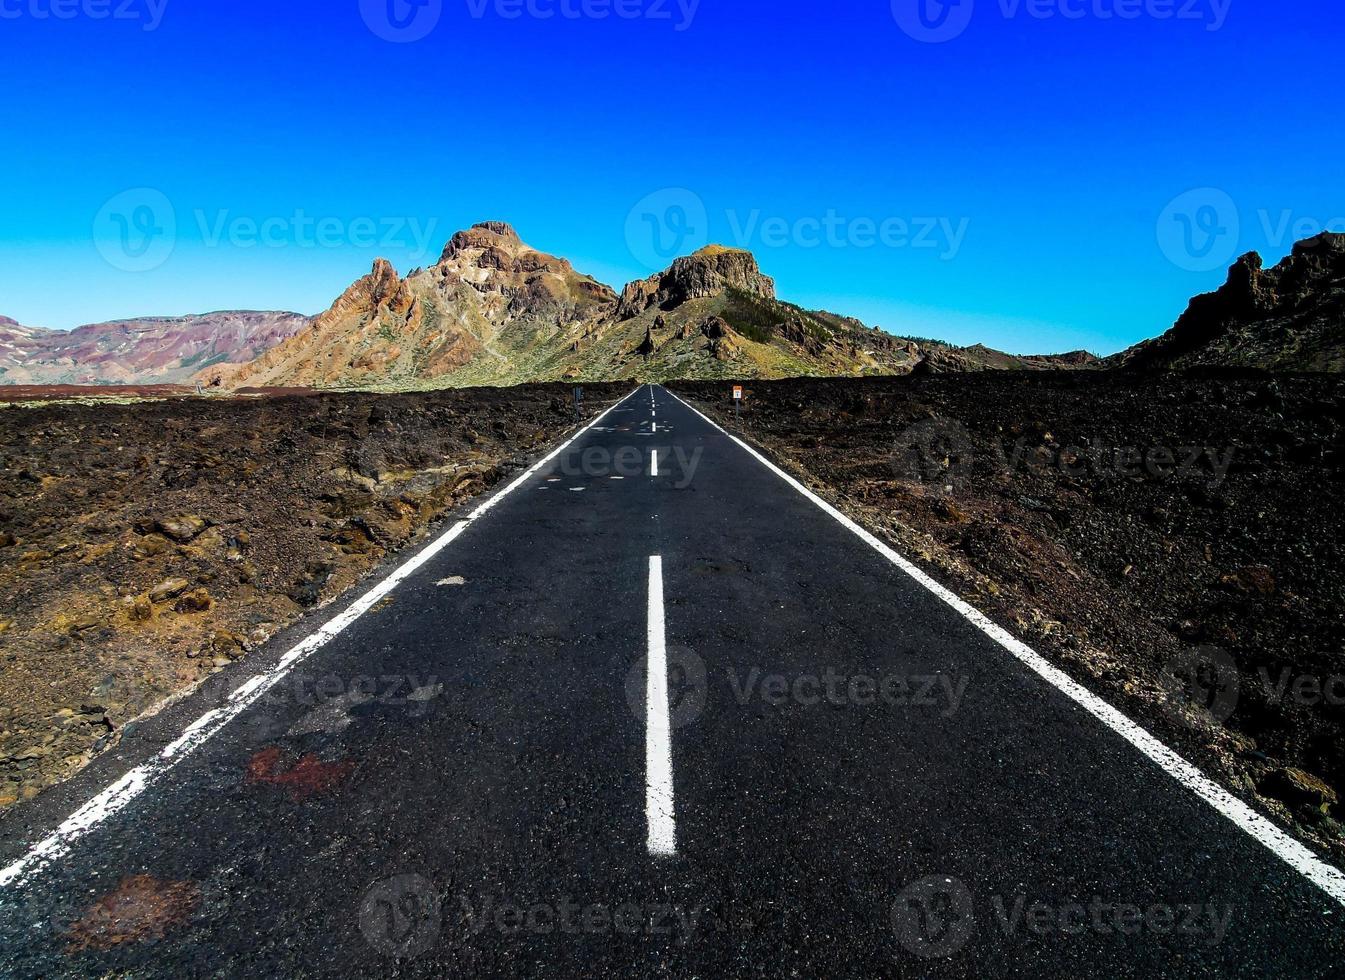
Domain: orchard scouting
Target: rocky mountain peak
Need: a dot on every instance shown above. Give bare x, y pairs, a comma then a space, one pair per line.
485, 236
482, 237
709, 272
501, 228
381, 283
490, 258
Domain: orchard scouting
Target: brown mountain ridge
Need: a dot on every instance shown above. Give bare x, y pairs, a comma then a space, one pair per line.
496, 311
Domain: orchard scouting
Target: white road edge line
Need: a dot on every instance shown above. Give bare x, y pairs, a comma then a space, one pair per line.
1297, 855
121, 793
658, 794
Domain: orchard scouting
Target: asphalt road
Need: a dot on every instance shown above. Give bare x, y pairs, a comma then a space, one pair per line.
833, 774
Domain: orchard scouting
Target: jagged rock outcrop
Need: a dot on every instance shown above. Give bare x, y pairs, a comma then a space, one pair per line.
715, 327
796, 331
647, 346
1287, 318
712, 270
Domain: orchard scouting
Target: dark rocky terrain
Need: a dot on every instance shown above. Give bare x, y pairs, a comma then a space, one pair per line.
143, 546
1176, 541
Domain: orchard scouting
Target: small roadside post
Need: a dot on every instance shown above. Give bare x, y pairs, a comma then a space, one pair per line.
578, 402
737, 403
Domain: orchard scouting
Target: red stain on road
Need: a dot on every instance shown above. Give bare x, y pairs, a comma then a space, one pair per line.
307, 777
142, 907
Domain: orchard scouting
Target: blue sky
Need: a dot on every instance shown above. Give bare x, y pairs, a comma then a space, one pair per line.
1025, 182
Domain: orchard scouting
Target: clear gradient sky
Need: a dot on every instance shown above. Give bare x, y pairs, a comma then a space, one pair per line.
1013, 172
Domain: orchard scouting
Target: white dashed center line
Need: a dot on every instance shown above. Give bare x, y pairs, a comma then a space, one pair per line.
658, 800
653, 462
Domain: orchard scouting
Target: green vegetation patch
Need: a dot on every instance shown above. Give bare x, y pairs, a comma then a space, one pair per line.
750, 316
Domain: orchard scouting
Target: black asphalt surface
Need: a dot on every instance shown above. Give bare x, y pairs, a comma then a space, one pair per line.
847, 752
